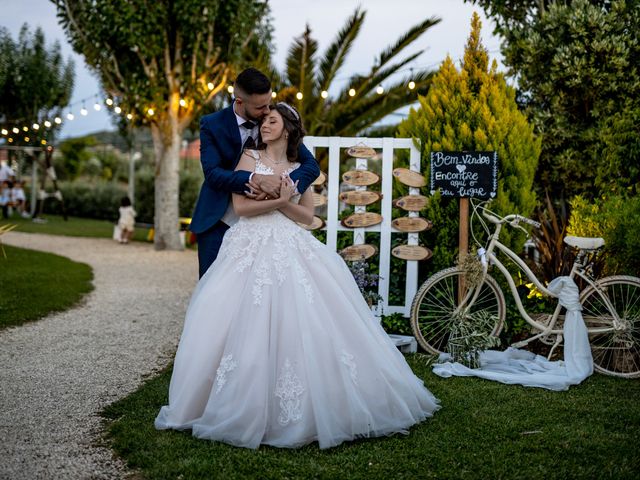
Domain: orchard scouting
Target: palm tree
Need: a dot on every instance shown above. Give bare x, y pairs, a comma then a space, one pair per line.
306, 82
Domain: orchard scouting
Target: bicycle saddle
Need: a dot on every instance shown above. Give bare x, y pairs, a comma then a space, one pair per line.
584, 243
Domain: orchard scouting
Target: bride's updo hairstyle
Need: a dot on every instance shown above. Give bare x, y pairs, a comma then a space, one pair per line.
293, 127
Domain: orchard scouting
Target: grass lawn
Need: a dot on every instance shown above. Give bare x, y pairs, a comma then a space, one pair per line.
74, 227
33, 284
484, 430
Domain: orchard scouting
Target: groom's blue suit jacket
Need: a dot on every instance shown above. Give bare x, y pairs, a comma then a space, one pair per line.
220, 150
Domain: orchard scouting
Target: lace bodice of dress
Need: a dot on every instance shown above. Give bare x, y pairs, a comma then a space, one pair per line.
273, 219
264, 169
276, 232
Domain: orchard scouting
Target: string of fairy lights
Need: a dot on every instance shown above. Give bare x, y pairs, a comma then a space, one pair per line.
19, 131
22, 131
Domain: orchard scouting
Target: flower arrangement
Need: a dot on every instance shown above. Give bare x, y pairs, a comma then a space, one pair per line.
367, 282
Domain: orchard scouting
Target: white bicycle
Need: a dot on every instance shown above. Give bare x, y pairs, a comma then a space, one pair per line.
610, 305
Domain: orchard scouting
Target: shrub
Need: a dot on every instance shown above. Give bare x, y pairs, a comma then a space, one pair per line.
617, 220
473, 110
101, 199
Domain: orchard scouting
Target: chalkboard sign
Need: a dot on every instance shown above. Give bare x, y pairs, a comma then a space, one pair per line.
465, 174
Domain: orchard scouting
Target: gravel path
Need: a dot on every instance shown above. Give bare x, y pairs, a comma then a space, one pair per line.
58, 373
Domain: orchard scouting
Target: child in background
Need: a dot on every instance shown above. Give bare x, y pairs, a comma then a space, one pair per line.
127, 220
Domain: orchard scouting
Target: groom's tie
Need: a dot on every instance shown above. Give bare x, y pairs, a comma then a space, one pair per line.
249, 142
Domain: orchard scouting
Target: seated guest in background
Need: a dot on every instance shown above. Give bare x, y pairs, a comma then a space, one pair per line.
5, 198
6, 173
19, 199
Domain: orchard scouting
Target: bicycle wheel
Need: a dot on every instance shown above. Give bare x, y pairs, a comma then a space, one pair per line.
432, 311
616, 352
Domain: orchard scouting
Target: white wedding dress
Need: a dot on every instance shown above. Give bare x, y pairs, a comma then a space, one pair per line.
280, 348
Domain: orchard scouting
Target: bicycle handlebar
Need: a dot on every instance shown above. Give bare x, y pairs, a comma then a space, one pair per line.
512, 219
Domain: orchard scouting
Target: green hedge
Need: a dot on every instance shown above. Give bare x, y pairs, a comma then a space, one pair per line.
101, 199
617, 220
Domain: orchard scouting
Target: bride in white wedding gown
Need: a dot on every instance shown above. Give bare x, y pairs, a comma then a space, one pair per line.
279, 347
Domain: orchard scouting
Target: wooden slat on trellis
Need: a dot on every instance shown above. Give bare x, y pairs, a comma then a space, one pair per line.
409, 177
361, 220
320, 180
353, 253
314, 225
411, 224
360, 197
411, 203
411, 252
360, 178
319, 200
361, 151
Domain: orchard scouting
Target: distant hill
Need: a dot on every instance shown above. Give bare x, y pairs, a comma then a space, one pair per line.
142, 136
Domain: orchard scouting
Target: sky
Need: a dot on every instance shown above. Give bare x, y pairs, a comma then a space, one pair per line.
385, 22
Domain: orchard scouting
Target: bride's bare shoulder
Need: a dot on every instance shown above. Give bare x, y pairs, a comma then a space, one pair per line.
248, 160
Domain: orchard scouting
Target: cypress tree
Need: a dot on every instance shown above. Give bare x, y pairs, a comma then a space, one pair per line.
474, 110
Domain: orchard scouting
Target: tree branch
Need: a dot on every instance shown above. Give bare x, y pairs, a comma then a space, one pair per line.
194, 57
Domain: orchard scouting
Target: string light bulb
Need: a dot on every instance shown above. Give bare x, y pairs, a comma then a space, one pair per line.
210, 86
35, 126
324, 94
25, 128
26, 139
96, 107
273, 94
47, 123
15, 130
183, 102
10, 140
70, 116
299, 95
58, 120
129, 116
109, 102
83, 111
379, 90
352, 92
412, 85
117, 110
150, 112
230, 89
43, 141
4, 131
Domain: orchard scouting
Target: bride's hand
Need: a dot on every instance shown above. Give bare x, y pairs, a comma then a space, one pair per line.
287, 189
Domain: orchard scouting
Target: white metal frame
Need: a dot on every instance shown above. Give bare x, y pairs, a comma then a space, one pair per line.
333, 226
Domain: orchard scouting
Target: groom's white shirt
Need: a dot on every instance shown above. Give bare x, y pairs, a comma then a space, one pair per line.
230, 217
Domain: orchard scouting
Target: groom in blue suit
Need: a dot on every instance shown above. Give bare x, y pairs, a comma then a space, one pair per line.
223, 137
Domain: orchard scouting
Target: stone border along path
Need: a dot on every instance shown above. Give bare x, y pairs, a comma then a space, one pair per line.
59, 372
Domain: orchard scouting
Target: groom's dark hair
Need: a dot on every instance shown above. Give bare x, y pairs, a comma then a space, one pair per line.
252, 81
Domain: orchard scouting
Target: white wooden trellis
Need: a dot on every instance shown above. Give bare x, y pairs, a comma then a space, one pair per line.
333, 226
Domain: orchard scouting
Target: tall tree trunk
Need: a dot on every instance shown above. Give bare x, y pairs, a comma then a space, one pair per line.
166, 142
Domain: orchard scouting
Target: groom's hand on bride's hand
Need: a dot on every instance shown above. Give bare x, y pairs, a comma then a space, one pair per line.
254, 194
269, 184
253, 191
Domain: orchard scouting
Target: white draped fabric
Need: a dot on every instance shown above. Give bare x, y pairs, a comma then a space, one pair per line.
516, 366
